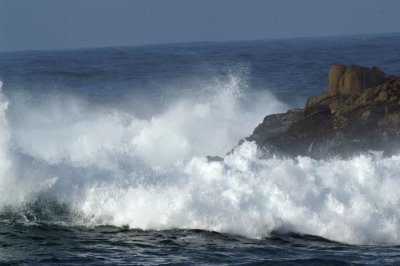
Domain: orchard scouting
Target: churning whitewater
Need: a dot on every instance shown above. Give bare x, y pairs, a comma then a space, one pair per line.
103, 166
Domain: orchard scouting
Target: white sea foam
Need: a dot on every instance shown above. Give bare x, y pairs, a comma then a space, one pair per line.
113, 168
354, 201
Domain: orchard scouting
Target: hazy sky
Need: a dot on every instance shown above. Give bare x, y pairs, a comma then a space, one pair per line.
55, 24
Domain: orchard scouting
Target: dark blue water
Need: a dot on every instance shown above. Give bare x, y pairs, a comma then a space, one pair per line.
292, 67
56, 244
98, 158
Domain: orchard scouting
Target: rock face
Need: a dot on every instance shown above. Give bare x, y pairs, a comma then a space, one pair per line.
359, 112
352, 79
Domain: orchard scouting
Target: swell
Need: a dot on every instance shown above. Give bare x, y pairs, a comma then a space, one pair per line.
68, 162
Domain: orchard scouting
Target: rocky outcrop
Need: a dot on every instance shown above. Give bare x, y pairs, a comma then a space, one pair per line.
275, 125
359, 112
352, 79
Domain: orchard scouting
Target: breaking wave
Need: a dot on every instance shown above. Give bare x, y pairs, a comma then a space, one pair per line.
107, 167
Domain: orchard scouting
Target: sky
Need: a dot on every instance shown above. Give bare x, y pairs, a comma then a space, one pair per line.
61, 24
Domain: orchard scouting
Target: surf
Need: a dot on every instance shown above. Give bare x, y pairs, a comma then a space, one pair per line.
69, 161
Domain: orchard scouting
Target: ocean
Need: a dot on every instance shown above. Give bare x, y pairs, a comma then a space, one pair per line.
103, 158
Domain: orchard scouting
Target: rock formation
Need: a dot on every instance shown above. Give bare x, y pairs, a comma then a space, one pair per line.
353, 79
359, 112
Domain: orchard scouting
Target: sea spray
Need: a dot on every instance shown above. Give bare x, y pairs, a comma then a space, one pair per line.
17, 187
111, 168
61, 146
353, 201
208, 120
5, 162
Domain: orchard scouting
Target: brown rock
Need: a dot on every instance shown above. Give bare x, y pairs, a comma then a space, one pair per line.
333, 101
353, 79
335, 78
275, 124
360, 112
317, 110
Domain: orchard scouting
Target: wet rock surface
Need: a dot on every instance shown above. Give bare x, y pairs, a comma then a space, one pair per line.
360, 112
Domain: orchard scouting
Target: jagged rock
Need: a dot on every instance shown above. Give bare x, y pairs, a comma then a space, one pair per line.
275, 124
335, 78
360, 112
353, 79
334, 101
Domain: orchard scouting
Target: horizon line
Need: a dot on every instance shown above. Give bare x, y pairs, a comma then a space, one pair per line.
195, 42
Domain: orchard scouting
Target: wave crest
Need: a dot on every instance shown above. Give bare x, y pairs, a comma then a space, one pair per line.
109, 167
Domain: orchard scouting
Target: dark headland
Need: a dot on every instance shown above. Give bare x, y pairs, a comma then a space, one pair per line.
359, 112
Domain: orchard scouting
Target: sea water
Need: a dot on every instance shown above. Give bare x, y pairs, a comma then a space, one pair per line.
103, 158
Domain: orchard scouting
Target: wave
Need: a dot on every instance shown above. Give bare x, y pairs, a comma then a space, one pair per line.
107, 167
